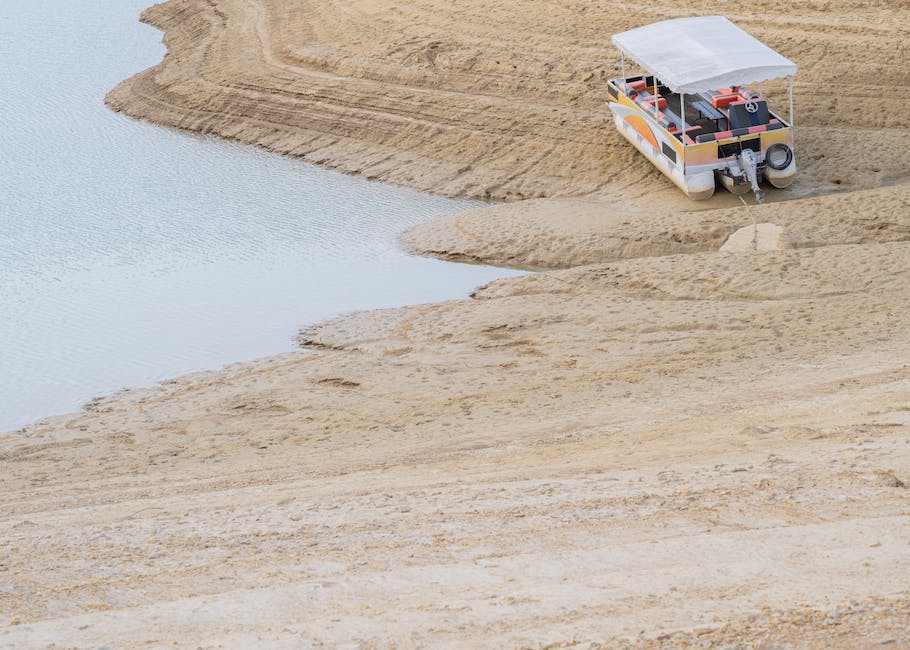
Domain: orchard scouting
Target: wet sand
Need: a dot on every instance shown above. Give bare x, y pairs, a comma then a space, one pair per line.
653, 443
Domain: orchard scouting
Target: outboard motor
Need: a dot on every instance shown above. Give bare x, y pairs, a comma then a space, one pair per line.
749, 165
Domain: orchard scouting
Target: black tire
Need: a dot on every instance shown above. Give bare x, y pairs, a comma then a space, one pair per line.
779, 146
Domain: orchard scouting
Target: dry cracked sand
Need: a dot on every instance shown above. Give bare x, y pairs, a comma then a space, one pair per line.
649, 443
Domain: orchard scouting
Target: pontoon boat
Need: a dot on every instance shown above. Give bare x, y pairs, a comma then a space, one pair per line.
692, 115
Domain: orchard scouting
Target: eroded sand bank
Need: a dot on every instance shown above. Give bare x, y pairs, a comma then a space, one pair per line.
664, 444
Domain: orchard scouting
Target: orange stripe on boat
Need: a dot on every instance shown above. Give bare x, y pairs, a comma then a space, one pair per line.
638, 123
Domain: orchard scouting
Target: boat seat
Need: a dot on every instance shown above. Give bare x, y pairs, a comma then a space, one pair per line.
711, 137
688, 136
670, 120
691, 134
722, 101
633, 88
740, 132
661, 102
740, 118
707, 110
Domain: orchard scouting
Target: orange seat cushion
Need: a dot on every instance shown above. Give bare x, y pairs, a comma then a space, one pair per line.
720, 101
661, 102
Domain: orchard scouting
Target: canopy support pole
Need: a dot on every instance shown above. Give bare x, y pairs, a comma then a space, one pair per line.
791, 108
622, 64
682, 111
656, 101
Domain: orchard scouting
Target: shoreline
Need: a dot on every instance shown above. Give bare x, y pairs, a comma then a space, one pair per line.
505, 468
403, 149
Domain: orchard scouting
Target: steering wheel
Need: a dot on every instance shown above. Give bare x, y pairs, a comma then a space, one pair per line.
751, 106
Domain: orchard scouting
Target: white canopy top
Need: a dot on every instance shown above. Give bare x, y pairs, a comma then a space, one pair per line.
705, 53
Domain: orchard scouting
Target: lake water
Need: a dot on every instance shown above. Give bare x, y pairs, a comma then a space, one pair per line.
130, 253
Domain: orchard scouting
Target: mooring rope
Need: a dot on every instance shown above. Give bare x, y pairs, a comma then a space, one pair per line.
754, 225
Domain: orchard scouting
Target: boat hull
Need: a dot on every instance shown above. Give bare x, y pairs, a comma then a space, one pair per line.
645, 135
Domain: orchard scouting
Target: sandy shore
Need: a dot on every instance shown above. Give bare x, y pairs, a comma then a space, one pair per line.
653, 444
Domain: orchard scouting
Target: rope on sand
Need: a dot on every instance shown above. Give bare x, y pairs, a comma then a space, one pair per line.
754, 225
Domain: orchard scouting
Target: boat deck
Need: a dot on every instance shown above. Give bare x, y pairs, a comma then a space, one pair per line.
707, 115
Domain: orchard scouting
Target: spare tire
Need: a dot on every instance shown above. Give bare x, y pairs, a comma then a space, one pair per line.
779, 156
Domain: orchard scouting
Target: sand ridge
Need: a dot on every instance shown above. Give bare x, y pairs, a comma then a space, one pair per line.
560, 233
656, 444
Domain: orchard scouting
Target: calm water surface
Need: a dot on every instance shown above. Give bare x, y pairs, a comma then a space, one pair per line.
131, 253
